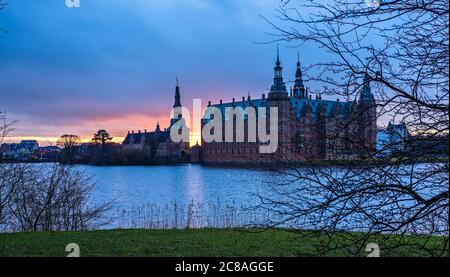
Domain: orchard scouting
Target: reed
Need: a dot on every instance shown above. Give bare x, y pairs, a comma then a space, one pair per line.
215, 214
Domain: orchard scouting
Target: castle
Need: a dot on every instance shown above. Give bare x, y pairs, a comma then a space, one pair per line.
157, 143
309, 128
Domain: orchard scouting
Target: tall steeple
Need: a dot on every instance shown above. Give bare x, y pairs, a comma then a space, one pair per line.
177, 96
176, 106
278, 84
299, 88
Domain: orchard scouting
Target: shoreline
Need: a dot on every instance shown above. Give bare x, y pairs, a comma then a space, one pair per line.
258, 164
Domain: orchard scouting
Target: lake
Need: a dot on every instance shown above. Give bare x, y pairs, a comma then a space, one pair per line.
149, 195
139, 185
194, 196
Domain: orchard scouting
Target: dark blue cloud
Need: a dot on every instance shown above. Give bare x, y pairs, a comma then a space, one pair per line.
112, 58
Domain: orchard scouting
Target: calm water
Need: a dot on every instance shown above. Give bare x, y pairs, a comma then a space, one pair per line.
197, 196
131, 186
179, 196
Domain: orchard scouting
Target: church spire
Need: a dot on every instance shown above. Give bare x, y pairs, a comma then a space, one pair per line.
299, 88
177, 96
177, 108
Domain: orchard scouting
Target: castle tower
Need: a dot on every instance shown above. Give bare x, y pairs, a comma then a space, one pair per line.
299, 88
278, 89
278, 97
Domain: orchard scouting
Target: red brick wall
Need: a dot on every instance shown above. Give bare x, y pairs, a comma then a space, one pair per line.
308, 138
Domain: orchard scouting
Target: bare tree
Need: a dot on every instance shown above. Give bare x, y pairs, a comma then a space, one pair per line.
5, 126
48, 197
6, 187
69, 144
401, 49
52, 199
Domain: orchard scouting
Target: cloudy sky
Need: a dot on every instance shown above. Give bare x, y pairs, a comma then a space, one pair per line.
112, 64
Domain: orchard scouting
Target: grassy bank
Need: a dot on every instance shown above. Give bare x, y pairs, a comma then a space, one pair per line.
153, 243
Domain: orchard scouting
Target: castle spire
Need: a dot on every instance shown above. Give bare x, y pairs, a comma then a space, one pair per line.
278, 55
177, 95
299, 88
278, 84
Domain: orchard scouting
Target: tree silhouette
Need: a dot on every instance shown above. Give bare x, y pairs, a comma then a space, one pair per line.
69, 144
5, 126
102, 137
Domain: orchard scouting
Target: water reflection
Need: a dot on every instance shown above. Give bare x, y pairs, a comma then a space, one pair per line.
194, 187
131, 186
168, 196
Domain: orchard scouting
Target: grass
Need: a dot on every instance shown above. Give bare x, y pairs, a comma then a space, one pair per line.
167, 243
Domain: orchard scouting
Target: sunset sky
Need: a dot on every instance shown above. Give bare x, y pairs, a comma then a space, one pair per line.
112, 64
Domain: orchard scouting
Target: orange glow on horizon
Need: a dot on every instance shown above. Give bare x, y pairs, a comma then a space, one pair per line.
194, 138
49, 141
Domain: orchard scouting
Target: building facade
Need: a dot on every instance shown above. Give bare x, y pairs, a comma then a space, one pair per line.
309, 128
19, 151
157, 143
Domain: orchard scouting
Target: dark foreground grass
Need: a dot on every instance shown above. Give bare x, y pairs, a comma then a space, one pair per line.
166, 243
